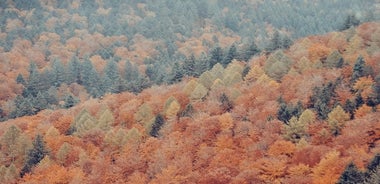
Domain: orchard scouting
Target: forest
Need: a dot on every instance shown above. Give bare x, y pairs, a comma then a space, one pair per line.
239, 91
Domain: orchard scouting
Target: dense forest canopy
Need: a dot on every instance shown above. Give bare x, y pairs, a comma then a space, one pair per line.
218, 91
49, 43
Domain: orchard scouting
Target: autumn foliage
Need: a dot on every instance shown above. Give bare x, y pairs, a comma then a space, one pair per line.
220, 127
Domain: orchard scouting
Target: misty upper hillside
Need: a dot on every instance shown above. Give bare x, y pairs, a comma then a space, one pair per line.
239, 91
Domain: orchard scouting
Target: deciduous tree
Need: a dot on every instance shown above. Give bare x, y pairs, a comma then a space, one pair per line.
336, 120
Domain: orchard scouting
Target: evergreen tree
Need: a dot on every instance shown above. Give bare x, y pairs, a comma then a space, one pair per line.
351, 175
111, 70
286, 42
2, 115
73, 74
57, 73
275, 42
245, 71
40, 102
350, 107
287, 111
320, 100
70, 101
23, 106
131, 72
91, 79
358, 70
158, 122
232, 22
34, 83
20, 80
374, 164
232, 53
35, 155
188, 111
201, 65
27, 5
112, 80
189, 66
351, 21
250, 51
359, 101
139, 84
51, 95
156, 72
376, 90
176, 74
216, 56
226, 104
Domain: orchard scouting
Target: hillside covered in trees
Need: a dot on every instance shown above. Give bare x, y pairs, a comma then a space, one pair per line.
190, 91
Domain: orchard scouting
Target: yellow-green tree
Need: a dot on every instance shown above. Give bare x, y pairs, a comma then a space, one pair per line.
9, 142
253, 74
63, 152
277, 65
83, 122
133, 135
105, 119
336, 120
115, 139
190, 86
199, 92
333, 60
217, 71
3, 171
307, 117
218, 84
11, 174
232, 78
144, 114
234, 67
173, 109
206, 79
296, 129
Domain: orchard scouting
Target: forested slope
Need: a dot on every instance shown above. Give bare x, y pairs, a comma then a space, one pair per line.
56, 53
299, 115
189, 92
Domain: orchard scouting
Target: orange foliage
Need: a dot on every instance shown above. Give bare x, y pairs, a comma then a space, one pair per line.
367, 30
282, 147
318, 52
310, 155
299, 174
362, 111
244, 145
271, 169
53, 173
61, 121
364, 86
99, 63
329, 168
343, 93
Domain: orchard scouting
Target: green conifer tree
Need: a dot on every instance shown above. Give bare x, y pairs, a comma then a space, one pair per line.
156, 126
35, 155
351, 175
